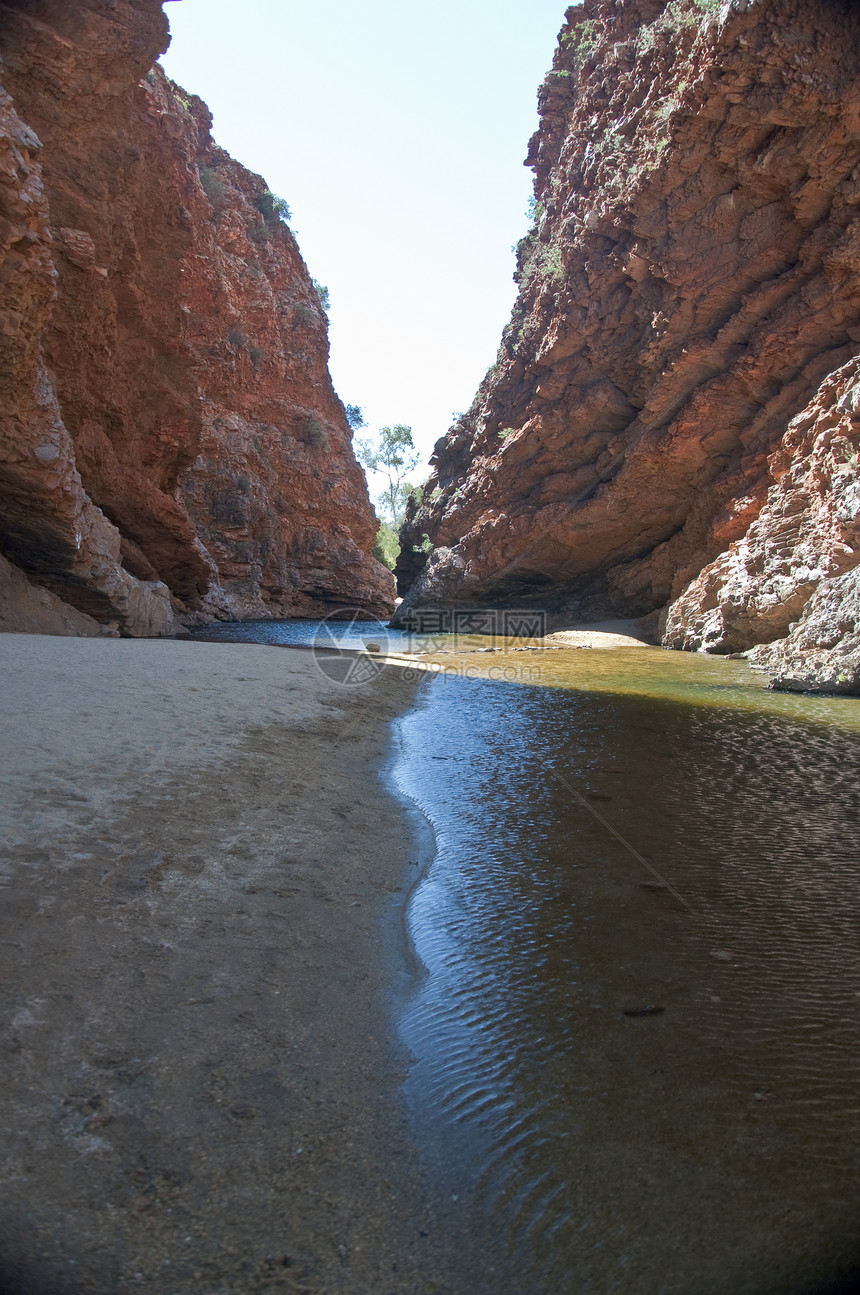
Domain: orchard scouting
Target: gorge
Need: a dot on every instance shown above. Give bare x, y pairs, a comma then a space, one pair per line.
669, 431
343, 960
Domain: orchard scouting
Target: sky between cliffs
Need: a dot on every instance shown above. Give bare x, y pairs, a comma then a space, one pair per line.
396, 131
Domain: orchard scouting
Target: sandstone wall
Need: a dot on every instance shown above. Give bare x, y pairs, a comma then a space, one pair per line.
807, 532
172, 445
688, 289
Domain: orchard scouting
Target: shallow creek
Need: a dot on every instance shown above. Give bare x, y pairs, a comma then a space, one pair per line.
637, 1038
636, 1031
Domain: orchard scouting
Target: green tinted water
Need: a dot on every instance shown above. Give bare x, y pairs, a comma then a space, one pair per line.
637, 1040
682, 677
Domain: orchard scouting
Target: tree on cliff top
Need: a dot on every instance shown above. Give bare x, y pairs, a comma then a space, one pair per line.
355, 416
394, 455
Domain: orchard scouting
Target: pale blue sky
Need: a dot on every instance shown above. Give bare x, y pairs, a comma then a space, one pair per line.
396, 132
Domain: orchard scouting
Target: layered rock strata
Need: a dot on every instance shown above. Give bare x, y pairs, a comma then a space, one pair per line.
172, 446
806, 536
667, 425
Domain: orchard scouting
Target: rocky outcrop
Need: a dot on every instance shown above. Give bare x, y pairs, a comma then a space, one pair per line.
26, 608
822, 652
688, 289
807, 533
172, 445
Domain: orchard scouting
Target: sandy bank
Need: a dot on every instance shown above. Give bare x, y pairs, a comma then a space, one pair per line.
198, 1084
603, 634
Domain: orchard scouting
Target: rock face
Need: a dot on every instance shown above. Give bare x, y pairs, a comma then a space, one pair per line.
172, 446
822, 652
669, 422
805, 535
25, 608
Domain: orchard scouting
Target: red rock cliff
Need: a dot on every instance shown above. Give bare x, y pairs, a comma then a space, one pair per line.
171, 442
677, 381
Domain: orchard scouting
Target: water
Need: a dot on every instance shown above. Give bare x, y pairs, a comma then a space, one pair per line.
349, 633
711, 1146
636, 1036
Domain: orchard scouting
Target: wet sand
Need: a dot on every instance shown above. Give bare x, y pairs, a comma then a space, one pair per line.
202, 886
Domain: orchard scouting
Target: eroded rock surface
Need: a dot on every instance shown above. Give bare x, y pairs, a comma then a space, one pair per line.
27, 608
172, 444
688, 289
822, 652
806, 534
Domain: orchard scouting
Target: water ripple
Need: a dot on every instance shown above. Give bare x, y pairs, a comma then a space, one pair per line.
711, 1146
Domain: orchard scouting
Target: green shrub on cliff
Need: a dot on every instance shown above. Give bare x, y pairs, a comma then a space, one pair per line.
583, 40
534, 213
323, 294
543, 260
553, 264
677, 14
271, 207
317, 434
212, 186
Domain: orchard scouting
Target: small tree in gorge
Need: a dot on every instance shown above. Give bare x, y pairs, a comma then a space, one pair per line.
394, 455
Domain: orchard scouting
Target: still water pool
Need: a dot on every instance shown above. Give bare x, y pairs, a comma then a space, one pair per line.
636, 1027
637, 1032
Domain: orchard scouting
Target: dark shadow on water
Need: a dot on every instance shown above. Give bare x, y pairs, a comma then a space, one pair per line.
849, 1285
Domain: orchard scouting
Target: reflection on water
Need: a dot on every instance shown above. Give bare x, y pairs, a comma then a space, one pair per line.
574, 1142
618, 1086
343, 633
681, 677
